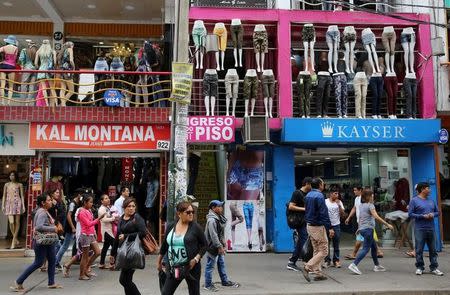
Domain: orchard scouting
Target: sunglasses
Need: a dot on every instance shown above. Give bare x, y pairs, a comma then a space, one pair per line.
189, 212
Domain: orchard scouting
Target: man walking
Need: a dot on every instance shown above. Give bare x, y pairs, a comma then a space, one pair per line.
297, 204
357, 190
124, 193
318, 222
424, 210
215, 237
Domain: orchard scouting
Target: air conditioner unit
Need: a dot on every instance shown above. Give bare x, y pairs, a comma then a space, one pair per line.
256, 130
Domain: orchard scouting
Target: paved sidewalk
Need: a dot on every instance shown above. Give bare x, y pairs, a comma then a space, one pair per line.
258, 274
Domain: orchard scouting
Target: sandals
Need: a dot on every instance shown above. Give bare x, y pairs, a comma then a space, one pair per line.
85, 278
55, 286
410, 254
349, 257
17, 288
66, 271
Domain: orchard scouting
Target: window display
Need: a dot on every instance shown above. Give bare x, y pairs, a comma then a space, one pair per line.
222, 36
349, 39
237, 35
369, 43
260, 44
10, 51
199, 36
268, 84
210, 90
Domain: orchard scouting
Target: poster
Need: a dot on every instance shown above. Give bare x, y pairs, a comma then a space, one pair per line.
245, 207
181, 82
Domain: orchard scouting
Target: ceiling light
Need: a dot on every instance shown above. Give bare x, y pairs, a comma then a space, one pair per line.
101, 43
341, 160
129, 7
7, 166
360, 158
316, 160
28, 40
7, 4
327, 158
308, 162
91, 6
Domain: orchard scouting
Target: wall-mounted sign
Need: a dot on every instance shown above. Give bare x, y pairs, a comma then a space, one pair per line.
79, 136
202, 129
232, 3
14, 140
58, 36
112, 97
182, 82
443, 136
36, 177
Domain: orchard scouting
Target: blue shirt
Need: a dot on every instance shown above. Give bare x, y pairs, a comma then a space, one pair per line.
316, 210
417, 208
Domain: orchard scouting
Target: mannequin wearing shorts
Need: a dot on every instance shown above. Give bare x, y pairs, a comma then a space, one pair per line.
309, 39
268, 85
408, 41
210, 90
199, 37
231, 89
10, 51
333, 38
369, 42
388, 38
349, 38
251, 85
221, 32
237, 35
260, 44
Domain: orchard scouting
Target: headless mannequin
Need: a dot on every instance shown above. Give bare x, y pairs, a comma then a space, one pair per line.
333, 51
250, 73
7, 49
372, 53
67, 84
266, 99
231, 72
237, 51
309, 52
211, 99
221, 52
13, 219
43, 51
260, 55
390, 59
408, 47
349, 50
198, 24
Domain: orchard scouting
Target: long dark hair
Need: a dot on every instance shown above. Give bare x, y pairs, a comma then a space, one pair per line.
41, 199
366, 196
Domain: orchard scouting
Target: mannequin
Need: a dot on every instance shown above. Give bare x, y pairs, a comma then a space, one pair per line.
323, 93
46, 59
410, 88
369, 42
118, 66
237, 34
142, 82
349, 39
199, 37
268, 82
100, 65
10, 51
388, 38
13, 205
26, 60
333, 38
341, 93
309, 39
221, 32
360, 84
408, 40
210, 90
232, 88
65, 62
251, 85
304, 84
260, 44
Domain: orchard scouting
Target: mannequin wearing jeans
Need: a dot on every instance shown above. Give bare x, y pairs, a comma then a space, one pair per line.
333, 38
199, 37
369, 42
388, 38
304, 83
360, 86
309, 39
221, 32
231, 89
349, 38
341, 93
251, 85
237, 35
376, 85
268, 82
391, 86
408, 40
260, 44
210, 91
410, 88
323, 94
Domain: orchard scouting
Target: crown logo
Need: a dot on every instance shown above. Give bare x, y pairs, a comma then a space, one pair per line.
327, 129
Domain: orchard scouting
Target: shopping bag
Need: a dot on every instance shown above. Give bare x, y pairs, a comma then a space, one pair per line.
130, 255
307, 250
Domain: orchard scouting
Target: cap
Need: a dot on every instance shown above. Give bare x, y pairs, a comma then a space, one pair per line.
215, 203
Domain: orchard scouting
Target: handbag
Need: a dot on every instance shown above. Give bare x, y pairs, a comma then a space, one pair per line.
307, 250
149, 244
294, 219
130, 255
46, 238
59, 228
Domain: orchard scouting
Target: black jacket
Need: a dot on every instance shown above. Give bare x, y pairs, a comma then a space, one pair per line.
129, 228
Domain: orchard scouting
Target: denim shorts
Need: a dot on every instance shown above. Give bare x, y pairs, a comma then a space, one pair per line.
368, 39
248, 209
407, 38
198, 35
332, 36
210, 85
249, 178
308, 34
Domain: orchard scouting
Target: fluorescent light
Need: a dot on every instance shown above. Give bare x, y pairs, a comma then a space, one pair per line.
91, 6
316, 160
28, 40
327, 158
7, 4
341, 160
129, 7
308, 162
360, 158
101, 43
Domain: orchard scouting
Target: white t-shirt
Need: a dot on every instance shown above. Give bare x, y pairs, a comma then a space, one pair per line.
357, 204
333, 211
119, 205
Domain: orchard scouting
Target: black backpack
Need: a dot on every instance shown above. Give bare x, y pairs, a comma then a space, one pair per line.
294, 219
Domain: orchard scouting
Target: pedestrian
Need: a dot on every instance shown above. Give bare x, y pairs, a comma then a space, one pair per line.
357, 191
297, 204
335, 212
43, 223
367, 216
318, 222
106, 223
424, 211
130, 226
185, 244
215, 254
124, 194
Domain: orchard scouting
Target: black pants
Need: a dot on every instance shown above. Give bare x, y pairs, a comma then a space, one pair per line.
376, 85
126, 280
410, 87
192, 280
323, 94
194, 162
109, 241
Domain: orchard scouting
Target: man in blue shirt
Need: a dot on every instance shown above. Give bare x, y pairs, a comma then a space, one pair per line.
317, 223
424, 210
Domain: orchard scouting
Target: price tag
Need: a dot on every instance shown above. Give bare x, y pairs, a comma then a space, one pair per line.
162, 145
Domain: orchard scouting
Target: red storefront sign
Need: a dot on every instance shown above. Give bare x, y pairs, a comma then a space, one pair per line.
76, 136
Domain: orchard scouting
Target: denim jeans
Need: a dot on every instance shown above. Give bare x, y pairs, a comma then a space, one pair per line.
248, 209
210, 263
428, 237
68, 238
41, 252
368, 244
410, 88
302, 235
323, 94
376, 85
335, 240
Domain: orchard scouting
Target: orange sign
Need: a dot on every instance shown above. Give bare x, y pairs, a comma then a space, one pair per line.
76, 136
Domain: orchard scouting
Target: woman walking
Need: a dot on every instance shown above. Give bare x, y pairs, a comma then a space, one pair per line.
106, 228
131, 224
185, 244
367, 216
43, 224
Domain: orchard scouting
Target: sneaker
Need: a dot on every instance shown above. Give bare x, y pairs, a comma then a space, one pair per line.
378, 268
292, 266
231, 284
337, 264
211, 288
58, 268
419, 272
354, 269
305, 274
437, 272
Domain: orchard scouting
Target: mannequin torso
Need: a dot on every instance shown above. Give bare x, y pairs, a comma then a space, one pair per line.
235, 22
211, 72
323, 73
260, 28
309, 25
251, 73
199, 24
389, 29
366, 31
12, 200
268, 73
219, 26
349, 30
333, 28
231, 72
408, 30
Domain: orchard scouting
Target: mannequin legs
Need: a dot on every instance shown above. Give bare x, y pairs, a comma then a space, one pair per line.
335, 55
14, 226
53, 96
309, 56
392, 63
332, 56
240, 57
213, 105
2, 87
306, 55
253, 106
199, 57
259, 61
348, 56
207, 105
237, 57
70, 91
268, 111
351, 56
144, 91
375, 57
387, 59
411, 56
311, 45
217, 61
222, 54
62, 92
11, 77
246, 107
220, 59
43, 86
227, 104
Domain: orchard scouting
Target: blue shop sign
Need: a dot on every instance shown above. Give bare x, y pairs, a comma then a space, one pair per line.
330, 130
112, 97
443, 136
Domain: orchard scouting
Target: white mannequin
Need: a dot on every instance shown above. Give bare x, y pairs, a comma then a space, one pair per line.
250, 73
389, 59
370, 48
266, 99
13, 217
213, 98
333, 51
260, 55
237, 22
222, 53
349, 50
309, 50
231, 72
198, 49
408, 47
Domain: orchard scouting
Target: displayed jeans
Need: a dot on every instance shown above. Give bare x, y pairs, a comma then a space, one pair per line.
335, 240
248, 178
237, 35
302, 236
360, 86
323, 94
376, 86
304, 83
332, 36
427, 237
248, 209
341, 94
410, 88
41, 253
209, 268
68, 239
251, 85
391, 85
210, 85
268, 85
368, 38
407, 38
194, 163
369, 244
231, 86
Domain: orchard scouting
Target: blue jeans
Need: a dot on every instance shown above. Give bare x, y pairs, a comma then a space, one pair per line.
41, 252
368, 244
302, 235
248, 209
68, 238
428, 237
210, 263
335, 242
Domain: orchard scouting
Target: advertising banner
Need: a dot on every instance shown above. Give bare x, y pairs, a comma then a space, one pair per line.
79, 136
202, 129
245, 207
182, 82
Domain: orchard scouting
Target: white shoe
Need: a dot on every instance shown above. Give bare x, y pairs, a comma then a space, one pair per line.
345, 116
360, 117
374, 117
410, 118
391, 117
379, 268
319, 116
354, 269
303, 116
437, 272
419, 272
380, 117
340, 117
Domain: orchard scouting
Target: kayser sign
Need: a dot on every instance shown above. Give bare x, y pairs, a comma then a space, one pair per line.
76, 136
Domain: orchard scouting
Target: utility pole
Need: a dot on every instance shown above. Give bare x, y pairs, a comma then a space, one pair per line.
178, 135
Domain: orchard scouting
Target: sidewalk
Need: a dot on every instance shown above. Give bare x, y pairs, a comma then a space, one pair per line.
258, 274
